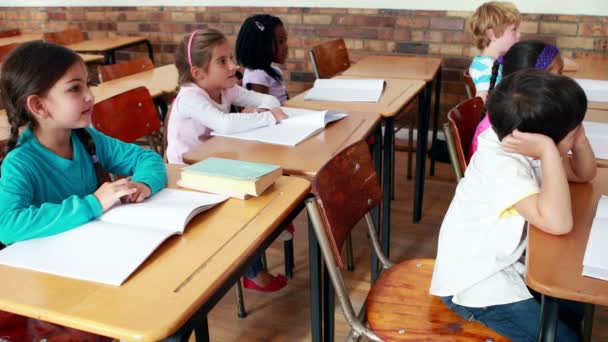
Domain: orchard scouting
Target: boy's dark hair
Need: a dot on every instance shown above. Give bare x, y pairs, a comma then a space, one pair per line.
536, 101
32, 69
256, 43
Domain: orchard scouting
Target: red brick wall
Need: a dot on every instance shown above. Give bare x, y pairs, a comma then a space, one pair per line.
367, 31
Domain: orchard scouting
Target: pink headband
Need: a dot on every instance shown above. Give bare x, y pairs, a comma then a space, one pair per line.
190, 46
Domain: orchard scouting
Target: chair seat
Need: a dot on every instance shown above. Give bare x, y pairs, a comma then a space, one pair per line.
400, 308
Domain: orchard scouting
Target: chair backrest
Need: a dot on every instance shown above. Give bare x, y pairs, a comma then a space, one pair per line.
345, 189
118, 70
10, 33
469, 85
166, 132
329, 58
128, 116
462, 122
6, 49
65, 37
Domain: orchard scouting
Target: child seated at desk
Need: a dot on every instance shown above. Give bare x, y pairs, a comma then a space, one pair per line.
207, 79
536, 120
53, 176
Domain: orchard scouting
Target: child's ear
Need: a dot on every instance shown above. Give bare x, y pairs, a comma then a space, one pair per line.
491, 35
197, 73
35, 106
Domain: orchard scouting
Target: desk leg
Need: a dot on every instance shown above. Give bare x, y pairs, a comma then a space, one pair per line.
548, 319
424, 101
377, 154
314, 259
387, 167
107, 58
436, 117
201, 331
588, 322
150, 51
328, 307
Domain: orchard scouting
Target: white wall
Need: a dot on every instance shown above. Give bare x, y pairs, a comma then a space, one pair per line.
589, 7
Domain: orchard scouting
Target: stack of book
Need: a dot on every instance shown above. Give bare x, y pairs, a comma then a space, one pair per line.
595, 260
229, 177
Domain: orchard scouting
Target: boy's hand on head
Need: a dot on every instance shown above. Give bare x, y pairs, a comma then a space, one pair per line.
529, 144
111, 192
249, 110
142, 192
279, 114
580, 139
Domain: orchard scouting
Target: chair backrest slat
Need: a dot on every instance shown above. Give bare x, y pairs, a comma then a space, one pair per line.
469, 84
118, 70
65, 37
463, 120
10, 33
5, 50
330, 58
346, 188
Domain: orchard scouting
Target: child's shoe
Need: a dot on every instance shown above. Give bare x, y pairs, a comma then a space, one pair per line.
287, 233
277, 283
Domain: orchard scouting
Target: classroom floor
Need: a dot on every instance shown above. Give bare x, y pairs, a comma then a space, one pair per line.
285, 316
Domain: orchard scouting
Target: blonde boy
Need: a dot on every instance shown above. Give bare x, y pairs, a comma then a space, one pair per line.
495, 28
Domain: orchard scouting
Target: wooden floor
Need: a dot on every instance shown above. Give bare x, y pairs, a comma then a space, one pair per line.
285, 316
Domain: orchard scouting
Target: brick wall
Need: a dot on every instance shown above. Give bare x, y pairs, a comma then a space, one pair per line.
367, 31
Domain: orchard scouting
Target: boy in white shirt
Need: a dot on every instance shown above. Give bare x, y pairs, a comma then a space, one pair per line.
536, 120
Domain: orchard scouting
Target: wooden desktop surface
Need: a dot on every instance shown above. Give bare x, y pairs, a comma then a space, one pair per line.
159, 81
304, 159
22, 38
181, 275
555, 263
396, 95
90, 58
105, 44
408, 67
595, 68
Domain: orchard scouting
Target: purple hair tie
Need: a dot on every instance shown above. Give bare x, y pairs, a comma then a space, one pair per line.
546, 57
95, 159
500, 60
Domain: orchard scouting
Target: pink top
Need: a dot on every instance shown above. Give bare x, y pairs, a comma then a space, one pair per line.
482, 126
261, 77
194, 115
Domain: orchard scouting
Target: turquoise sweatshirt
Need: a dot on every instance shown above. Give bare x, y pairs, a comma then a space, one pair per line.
43, 194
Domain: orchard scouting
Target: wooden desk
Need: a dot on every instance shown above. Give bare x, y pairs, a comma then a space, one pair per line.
90, 58
108, 46
564, 279
592, 68
177, 285
22, 38
159, 81
417, 68
598, 115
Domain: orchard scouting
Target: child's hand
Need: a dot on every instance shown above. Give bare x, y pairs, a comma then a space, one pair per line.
529, 144
279, 114
110, 192
249, 110
580, 139
142, 192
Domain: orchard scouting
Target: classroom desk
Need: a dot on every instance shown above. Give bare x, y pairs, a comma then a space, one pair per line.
159, 81
175, 288
108, 46
418, 68
90, 58
555, 262
304, 159
397, 94
595, 68
22, 38
598, 115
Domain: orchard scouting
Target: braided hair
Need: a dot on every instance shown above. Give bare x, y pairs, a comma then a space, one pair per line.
32, 69
256, 42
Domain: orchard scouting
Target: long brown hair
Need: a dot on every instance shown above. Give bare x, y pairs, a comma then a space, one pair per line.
32, 69
201, 44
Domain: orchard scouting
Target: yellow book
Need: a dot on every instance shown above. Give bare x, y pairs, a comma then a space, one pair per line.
230, 177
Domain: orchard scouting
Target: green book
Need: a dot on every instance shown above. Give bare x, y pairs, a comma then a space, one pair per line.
231, 168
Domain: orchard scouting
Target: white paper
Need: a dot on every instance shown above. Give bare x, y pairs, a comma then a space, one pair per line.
597, 133
109, 249
596, 90
301, 124
346, 90
595, 261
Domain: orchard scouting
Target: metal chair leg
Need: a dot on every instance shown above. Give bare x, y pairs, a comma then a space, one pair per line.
240, 301
264, 262
410, 146
350, 262
289, 263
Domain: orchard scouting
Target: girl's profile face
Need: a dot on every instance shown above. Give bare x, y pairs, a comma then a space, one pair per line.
279, 47
69, 102
221, 71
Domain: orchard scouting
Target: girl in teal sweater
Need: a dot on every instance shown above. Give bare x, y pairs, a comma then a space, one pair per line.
53, 173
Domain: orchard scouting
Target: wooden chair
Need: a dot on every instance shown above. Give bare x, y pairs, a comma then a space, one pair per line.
459, 131
469, 86
398, 306
329, 58
65, 37
129, 116
10, 33
118, 70
5, 50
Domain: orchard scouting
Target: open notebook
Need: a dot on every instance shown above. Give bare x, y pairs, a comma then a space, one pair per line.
595, 262
597, 133
108, 249
596, 90
302, 124
346, 90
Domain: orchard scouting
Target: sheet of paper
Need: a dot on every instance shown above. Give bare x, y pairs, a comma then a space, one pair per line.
595, 261
346, 90
596, 90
